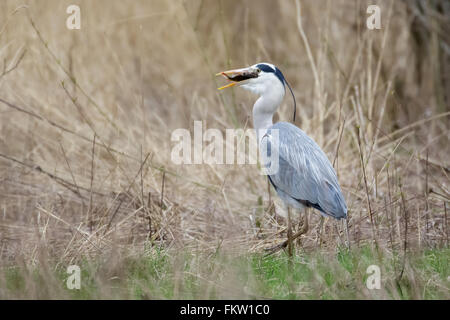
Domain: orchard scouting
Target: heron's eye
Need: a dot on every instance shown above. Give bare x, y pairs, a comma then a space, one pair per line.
258, 70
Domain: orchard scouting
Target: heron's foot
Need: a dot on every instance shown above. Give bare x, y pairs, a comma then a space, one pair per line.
284, 244
276, 248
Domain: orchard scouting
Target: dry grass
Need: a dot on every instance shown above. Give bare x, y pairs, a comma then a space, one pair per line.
86, 119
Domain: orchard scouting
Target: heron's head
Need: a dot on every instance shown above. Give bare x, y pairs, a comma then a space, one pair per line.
259, 78
264, 79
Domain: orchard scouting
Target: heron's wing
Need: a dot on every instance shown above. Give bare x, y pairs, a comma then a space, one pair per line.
304, 171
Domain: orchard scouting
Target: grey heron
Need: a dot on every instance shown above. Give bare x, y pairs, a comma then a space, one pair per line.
305, 177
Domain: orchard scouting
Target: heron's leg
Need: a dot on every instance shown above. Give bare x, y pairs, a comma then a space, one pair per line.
289, 234
283, 245
319, 235
304, 227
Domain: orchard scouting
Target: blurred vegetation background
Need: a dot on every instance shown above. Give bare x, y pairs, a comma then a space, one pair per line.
86, 118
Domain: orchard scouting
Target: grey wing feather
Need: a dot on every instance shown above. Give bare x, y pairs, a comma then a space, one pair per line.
304, 173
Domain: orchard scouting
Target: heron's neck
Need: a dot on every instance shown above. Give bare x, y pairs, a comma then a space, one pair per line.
263, 111
261, 122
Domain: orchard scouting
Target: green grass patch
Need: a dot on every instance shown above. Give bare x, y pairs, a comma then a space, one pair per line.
163, 274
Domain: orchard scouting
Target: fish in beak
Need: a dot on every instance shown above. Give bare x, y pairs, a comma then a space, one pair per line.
237, 76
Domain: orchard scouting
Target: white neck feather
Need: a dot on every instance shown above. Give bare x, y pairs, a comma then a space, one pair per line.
264, 108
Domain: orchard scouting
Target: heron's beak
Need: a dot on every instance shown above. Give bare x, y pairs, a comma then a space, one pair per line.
236, 76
